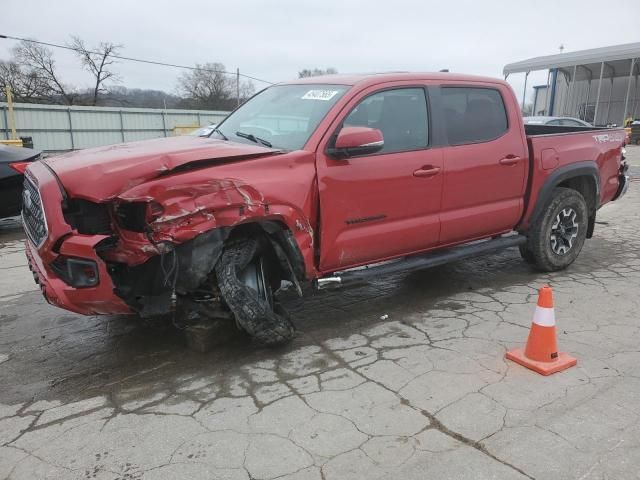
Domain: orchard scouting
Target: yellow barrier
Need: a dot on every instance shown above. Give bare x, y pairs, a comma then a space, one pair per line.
12, 143
184, 129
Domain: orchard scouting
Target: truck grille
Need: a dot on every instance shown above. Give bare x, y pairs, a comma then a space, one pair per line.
33, 218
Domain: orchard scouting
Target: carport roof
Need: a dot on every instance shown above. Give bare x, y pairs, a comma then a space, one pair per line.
594, 56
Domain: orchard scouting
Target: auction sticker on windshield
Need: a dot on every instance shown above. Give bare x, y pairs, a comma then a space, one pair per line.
319, 95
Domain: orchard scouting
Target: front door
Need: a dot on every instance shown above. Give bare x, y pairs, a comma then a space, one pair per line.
387, 204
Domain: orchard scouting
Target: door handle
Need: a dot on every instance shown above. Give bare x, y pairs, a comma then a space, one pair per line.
510, 160
427, 171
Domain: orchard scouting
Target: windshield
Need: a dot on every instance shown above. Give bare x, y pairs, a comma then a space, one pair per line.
283, 116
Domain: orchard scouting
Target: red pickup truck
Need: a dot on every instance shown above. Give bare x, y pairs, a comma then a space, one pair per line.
307, 181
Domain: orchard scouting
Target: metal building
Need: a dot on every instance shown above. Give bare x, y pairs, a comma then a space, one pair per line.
539, 101
599, 85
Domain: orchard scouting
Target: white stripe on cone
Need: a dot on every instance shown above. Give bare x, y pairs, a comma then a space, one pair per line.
544, 317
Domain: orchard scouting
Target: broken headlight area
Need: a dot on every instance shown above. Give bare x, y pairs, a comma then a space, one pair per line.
88, 218
136, 216
76, 272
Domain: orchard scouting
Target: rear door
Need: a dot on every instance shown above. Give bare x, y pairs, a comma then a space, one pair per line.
485, 162
378, 206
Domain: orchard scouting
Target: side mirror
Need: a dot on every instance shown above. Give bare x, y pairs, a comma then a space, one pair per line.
352, 141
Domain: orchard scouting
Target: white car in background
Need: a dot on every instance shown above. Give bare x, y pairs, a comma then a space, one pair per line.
204, 131
557, 121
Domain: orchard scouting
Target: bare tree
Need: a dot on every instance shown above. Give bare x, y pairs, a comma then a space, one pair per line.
98, 63
315, 72
246, 90
208, 86
39, 62
25, 85
207, 83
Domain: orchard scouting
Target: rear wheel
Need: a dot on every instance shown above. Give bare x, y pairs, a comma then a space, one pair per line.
557, 236
526, 254
246, 280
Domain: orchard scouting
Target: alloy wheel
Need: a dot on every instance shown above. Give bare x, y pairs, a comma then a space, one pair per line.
564, 230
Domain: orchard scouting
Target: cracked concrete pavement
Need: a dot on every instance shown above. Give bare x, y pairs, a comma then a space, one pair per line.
424, 393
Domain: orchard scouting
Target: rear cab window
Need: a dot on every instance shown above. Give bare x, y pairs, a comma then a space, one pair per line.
473, 114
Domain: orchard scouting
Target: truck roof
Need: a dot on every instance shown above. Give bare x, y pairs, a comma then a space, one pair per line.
365, 79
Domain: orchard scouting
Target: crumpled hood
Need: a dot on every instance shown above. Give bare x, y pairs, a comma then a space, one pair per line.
102, 173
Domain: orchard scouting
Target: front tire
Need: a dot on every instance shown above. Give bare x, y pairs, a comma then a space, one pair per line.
556, 237
247, 289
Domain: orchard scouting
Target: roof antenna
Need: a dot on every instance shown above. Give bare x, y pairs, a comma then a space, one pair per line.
444, 70
561, 48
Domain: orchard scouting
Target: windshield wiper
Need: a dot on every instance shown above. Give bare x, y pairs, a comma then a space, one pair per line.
217, 130
254, 139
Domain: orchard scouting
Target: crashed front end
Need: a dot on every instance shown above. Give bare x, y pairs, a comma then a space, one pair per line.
52, 243
135, 252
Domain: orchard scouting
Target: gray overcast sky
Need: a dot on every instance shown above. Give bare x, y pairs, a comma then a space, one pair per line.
274, 39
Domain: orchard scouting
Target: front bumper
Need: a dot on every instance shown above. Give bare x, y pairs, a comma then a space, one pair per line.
62, 240
99, 299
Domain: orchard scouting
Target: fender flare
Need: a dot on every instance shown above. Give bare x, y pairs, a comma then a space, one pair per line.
587, 168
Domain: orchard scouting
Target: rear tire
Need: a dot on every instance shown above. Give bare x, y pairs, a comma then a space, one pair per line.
526, 254
556, 237
247, 290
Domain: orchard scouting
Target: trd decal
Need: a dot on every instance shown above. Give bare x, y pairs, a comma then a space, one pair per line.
608, 137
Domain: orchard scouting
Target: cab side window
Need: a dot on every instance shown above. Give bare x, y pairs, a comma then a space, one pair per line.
473, 115
401, 115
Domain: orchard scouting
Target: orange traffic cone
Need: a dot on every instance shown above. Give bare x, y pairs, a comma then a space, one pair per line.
541, 353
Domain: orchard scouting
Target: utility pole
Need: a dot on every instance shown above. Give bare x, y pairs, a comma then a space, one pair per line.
238, 85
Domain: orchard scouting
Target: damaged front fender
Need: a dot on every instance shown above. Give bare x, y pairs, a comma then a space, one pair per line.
184, 240
195, 206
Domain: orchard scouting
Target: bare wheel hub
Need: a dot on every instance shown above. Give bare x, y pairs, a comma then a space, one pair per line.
254, 276
564, 231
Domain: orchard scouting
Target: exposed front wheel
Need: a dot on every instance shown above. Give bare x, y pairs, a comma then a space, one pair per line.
245, 282
556, 237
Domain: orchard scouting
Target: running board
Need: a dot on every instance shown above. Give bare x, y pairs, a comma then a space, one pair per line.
409, 264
